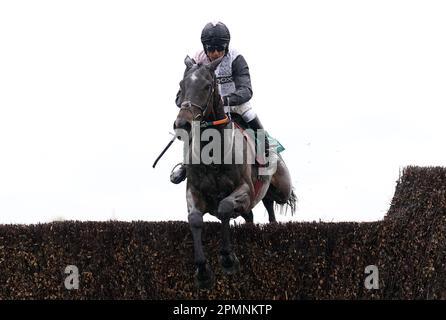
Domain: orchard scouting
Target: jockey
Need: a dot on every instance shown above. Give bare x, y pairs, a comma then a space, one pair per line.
233, 78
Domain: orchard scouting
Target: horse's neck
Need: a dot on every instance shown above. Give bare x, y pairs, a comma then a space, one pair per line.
205, 176
220, 112
227, 135
217, 112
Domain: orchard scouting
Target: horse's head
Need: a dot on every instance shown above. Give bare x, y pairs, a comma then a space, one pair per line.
200, 100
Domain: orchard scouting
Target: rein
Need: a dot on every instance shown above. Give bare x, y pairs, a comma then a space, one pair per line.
205, 124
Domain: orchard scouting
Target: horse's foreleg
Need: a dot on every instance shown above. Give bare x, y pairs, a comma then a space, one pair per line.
204, 277
196, 225
232, 206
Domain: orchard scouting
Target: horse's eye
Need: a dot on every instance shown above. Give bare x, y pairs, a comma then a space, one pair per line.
208, 87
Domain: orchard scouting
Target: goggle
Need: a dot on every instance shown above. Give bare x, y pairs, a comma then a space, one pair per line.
213, 47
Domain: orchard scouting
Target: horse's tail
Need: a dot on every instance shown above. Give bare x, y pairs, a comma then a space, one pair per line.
291, 203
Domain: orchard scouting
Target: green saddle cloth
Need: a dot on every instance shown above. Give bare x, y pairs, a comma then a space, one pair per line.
274, 143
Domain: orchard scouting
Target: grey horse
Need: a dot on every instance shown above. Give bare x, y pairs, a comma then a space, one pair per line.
227, 189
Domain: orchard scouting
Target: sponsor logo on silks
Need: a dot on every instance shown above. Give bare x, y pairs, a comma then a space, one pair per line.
222, 80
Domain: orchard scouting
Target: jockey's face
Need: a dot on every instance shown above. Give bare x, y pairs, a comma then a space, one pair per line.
215, 54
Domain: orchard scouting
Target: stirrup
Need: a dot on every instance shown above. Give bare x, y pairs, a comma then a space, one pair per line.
178, 164
177, 177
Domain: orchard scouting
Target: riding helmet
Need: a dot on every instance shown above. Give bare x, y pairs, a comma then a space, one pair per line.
215, 33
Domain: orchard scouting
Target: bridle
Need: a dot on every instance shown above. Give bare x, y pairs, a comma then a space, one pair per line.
203, 111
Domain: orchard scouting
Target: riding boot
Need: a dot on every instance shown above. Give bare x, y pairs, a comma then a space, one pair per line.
178, 175
255, 124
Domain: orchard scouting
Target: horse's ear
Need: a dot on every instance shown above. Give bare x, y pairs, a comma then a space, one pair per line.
214, 64
189, 62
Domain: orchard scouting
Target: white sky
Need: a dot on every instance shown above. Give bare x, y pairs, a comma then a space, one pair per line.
354, 90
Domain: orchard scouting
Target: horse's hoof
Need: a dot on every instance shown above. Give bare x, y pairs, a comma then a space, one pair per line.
204, 278
230, 263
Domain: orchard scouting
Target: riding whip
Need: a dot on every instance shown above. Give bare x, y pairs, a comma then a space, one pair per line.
164, 151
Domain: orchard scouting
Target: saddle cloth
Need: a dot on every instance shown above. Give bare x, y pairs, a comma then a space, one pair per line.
274, 145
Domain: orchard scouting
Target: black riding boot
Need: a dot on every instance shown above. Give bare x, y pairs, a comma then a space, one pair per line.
178, 175
255, 124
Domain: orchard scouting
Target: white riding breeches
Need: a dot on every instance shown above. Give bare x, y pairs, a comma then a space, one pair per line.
244, 110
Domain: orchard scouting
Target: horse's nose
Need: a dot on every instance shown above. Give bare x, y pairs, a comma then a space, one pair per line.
182, 126
180, 123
